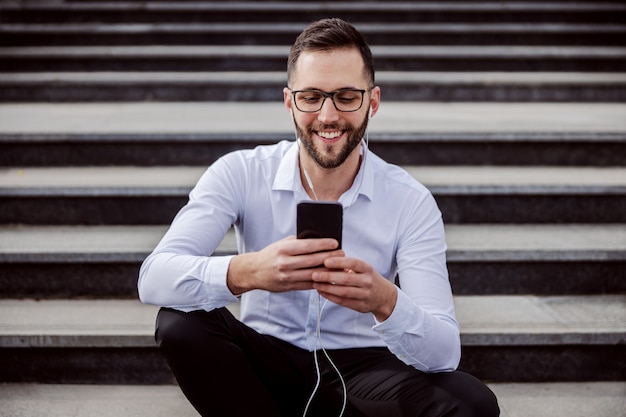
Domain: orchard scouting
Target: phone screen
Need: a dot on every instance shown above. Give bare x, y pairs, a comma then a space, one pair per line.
320, 219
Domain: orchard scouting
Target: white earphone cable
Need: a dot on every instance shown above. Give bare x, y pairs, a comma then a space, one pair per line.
318, 338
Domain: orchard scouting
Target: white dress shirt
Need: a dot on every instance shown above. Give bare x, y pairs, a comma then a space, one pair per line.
393, 223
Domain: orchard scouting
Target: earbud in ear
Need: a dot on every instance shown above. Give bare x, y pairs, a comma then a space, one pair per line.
370, 116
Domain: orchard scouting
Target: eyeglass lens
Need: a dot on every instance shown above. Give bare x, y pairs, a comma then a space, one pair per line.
344, 100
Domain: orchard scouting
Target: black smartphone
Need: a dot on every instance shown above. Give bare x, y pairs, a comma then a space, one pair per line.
320, 219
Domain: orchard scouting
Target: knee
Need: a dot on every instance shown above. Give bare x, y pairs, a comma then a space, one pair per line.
470, 396
480, 401
173, 330
177, 331
194, 332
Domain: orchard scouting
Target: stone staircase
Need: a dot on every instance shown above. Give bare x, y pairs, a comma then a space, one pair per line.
512, 113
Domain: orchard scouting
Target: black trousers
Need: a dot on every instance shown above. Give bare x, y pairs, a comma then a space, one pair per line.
225, 368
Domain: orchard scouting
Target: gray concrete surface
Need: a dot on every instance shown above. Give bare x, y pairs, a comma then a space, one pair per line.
434, 176
597, 399
93, 401
248, 77
496, 320
465, 242
393, 117
211, 51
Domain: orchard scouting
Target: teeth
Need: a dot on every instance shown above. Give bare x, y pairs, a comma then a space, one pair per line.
329, 135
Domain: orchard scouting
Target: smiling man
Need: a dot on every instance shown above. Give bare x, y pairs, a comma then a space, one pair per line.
386, 350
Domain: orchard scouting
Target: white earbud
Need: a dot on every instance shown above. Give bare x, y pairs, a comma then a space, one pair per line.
370, 116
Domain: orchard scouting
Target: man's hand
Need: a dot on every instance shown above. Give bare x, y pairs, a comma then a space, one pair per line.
355, 284
285, 265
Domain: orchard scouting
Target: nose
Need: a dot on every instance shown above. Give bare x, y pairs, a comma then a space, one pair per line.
328, 113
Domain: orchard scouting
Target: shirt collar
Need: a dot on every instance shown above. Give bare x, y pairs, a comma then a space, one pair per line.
288, 175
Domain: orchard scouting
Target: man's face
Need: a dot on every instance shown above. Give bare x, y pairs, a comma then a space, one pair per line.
329, 135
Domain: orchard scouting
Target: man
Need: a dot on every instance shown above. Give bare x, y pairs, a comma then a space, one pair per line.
391, 351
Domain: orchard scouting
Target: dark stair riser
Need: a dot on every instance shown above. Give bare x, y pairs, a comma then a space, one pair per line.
558, 363
423, 61
58, 92
71, 280
145, 365
13, 36
294, 12
479, 207
422, 149
86, 365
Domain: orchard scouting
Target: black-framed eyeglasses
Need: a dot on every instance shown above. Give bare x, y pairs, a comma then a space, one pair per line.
344, 100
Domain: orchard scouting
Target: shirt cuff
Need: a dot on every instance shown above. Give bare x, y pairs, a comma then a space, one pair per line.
405, 317
217, 273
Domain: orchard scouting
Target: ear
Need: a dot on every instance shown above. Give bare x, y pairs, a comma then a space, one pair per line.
374, 101
287, 98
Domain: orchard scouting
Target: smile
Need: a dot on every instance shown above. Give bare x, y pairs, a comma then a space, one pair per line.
330, 135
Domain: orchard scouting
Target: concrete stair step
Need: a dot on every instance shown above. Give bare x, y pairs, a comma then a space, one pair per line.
272, 118
248, 12
165, 133
242, 86
153, 195
103, 261
53, 400
600, 399
57, 34
408, 55
111, 341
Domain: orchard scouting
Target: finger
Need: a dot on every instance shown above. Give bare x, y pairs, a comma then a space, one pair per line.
351, 265
337, 291
293, 286
315, 260
338, 278
353, 304
304, 246
295, 280
306, 274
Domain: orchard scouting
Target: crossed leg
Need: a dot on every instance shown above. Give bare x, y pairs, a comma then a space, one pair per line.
225, 368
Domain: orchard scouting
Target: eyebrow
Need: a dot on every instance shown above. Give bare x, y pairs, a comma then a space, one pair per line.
336, 89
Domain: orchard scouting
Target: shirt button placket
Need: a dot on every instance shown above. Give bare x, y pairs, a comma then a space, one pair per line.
311, 324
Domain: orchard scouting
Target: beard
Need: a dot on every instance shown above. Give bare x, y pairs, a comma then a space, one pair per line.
331, 158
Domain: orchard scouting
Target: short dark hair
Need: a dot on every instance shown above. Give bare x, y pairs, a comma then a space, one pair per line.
329, 35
